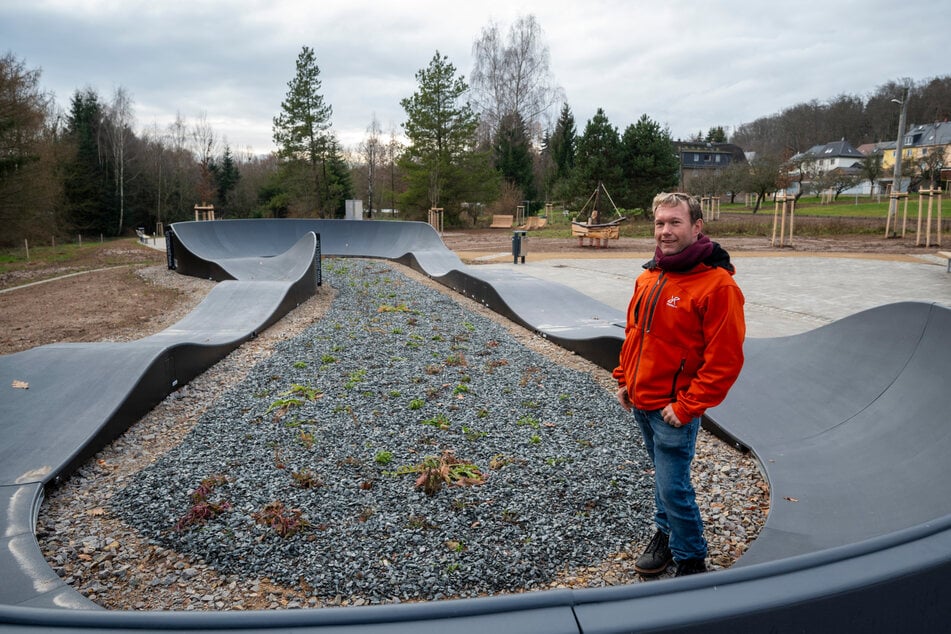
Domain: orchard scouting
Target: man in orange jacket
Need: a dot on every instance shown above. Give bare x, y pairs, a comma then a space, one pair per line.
683, 350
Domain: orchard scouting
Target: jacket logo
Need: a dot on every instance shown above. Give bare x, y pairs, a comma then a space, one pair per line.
672, 302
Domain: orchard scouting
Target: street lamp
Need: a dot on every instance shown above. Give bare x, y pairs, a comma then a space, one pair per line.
892, 220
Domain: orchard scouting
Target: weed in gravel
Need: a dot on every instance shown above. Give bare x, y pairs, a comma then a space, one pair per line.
306, 479
419, 521
399, 308
306, 439
202, 509
281, 406
528, 421
285, 521
356, 377
434, 472
456, 360
439, 421
383, 457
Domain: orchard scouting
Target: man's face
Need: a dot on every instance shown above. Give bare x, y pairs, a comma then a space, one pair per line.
673, 230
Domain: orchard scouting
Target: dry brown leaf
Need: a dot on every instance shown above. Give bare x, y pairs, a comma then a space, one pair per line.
21, 385
96, 512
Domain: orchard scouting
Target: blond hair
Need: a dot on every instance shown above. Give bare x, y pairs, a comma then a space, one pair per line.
673, 199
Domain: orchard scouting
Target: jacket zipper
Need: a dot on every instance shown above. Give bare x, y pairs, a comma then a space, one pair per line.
652, 298
673, 385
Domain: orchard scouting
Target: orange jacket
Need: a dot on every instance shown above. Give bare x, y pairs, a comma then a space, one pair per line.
683, 340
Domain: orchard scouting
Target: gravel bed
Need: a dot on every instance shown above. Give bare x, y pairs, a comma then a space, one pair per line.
319, 429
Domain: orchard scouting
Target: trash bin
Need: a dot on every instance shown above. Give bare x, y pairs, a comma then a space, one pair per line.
519, 245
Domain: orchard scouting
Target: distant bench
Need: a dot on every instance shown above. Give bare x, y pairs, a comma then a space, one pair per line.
143, 236
535, 222
501, 222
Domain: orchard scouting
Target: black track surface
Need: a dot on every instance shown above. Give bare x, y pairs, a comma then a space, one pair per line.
850, 423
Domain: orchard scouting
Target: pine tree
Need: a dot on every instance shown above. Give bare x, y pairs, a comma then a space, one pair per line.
301, 130
338, 182
597, 158
563, 143
441, 164
649, 161
226, 176
87, 182
513, 155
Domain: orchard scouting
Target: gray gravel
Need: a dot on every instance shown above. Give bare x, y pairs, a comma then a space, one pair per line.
397, 370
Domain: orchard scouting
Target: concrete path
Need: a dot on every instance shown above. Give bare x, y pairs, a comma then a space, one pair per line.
785, 295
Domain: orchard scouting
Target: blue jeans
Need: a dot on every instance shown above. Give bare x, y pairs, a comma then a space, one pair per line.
671, 449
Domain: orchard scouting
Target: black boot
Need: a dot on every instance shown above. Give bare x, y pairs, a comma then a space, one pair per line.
690, 567
656, 556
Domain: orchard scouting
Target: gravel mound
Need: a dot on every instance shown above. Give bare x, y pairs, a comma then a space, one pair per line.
306, 472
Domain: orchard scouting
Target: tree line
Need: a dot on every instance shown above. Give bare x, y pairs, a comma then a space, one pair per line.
858, 120
503, 136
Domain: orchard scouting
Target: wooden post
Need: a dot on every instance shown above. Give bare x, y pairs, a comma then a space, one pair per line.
792, 219
435, 218
26, 244
784, 204
920, 207
204, 211
930, 193
939, 217
782, 221
904, 217
772, 241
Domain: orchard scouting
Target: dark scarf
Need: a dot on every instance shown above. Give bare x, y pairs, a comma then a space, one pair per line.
704, 250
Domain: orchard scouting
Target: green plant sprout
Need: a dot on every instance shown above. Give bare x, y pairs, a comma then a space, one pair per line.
439, 421
434, 472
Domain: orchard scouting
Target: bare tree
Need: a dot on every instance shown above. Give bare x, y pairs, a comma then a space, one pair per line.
118, 131
513, 76
931, 165
871, 169
373, 152
764, 174
393, 150
204, 145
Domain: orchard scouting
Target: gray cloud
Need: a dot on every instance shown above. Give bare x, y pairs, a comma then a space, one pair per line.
685, 64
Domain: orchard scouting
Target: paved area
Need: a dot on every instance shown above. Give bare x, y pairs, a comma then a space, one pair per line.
785, 295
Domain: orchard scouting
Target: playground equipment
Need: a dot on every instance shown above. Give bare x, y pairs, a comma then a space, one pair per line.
592, 227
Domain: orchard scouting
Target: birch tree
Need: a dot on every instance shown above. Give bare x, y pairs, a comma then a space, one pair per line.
512, 75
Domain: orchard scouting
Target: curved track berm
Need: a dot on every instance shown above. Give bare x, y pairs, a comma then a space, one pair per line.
849, 422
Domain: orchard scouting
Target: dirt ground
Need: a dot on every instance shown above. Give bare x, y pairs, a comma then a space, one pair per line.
126, 293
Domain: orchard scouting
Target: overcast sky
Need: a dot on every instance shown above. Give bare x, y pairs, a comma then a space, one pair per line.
689, 65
